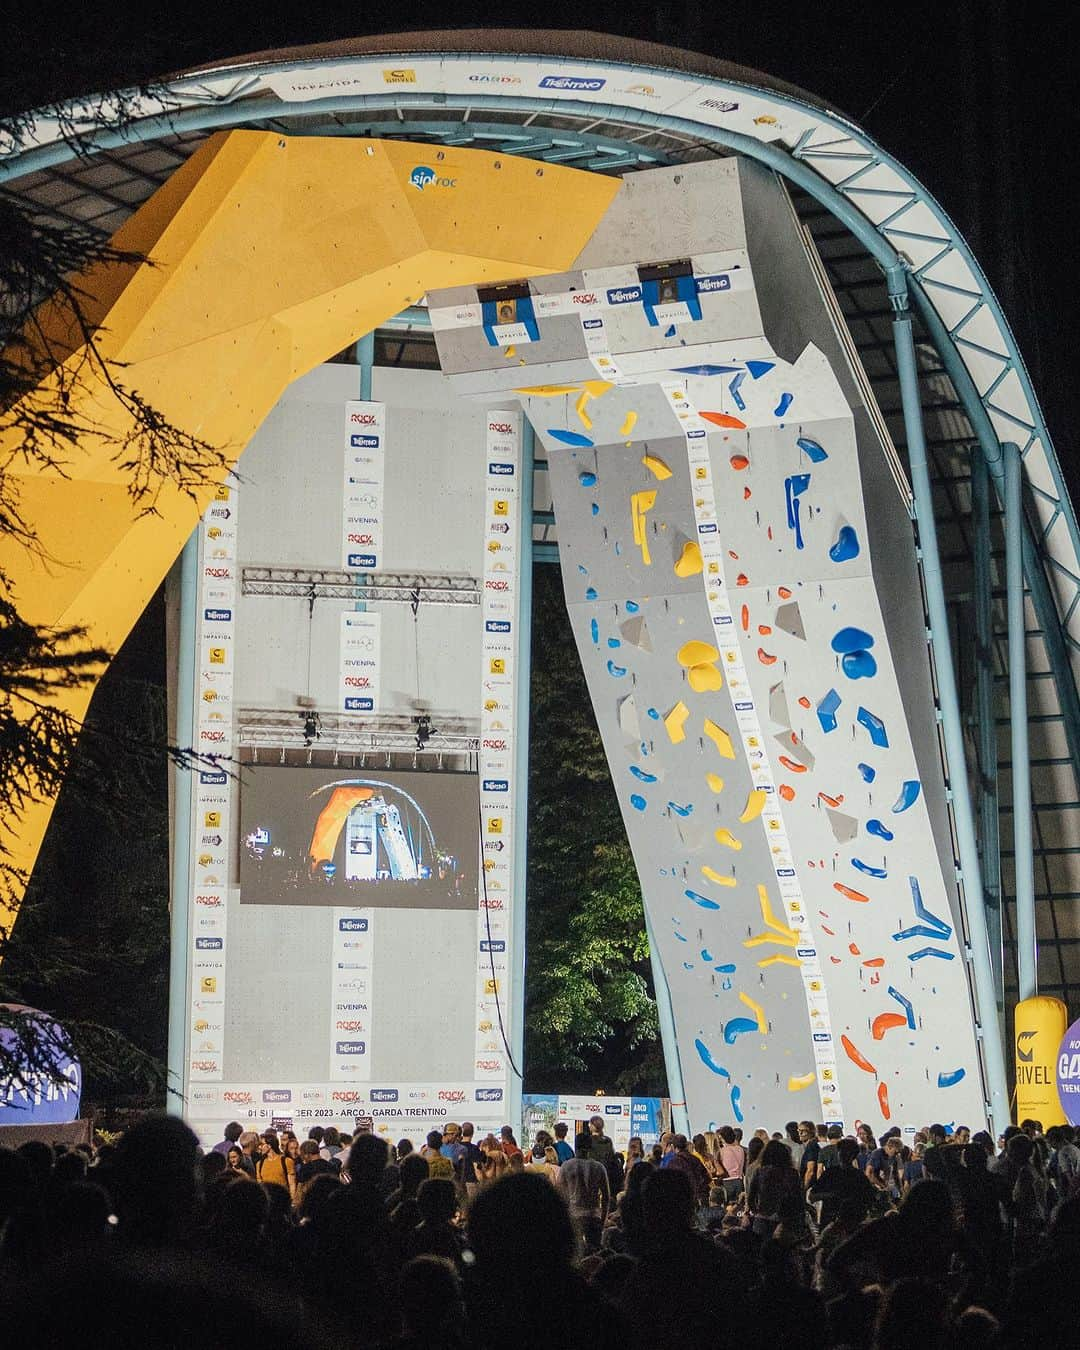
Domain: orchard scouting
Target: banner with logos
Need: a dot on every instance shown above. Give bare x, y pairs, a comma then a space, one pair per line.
351, 989
211, 796
359, 661
623, 1117
502, 463
365, 478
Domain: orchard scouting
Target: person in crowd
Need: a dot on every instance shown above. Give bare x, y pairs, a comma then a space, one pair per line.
234, 1160
452, 1146
232, 1133
276, 1168
811, 1152
250, 1142
402, 1149
774, 1194
687, 1161
731, 1163
562, 1148
635, 1153
842, 1185
493, 1163
914, 1169
472, 1156
545, 1164
508, 1143
437, 1234
330, 1147
584, 1185
438, 1163
883, 1167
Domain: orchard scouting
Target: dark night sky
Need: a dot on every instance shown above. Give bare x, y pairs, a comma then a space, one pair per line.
976, 96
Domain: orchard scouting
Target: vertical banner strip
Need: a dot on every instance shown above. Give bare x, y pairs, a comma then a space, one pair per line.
212, 787
499, 648
363, 487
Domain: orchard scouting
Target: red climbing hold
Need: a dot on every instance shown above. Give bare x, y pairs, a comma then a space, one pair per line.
847, 892
723, 420
886, 1021
883, 1100
856, 1058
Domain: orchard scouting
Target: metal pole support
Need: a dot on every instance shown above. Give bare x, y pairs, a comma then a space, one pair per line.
951, 717
1023, 861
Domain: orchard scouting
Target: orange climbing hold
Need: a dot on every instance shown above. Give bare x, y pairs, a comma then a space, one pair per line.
830, 932
856, 1058
746, 618
886, 1021
829, 801
746, 494
874, 962
835, 960
850, 894
742, 579
764, 629
853, 949
787, 792
792, 765
783, 593
739, 462
766, 658
804, 702
722, 420
883, 1100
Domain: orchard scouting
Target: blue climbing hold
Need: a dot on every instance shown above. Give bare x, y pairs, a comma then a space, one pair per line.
826, 710
784, 404
596, 508
638, 803
945, 1080
846, 546
683, 811
707, 1059
794, 487
641, 775
632, 606
733, 390
571, 438
875, 727
616, 671
868, 773
923, 952
680, 938
705, 369
858, 665
736, 1103
739, 1026
851, 640
590, 592
670, 331
878, 872
613, 643
728, 969
876, 828
594, 629
759, 368
651, 712
812, 450
586, 478
909, 795
702, 900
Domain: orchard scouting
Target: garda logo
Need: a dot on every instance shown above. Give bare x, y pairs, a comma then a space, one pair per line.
383, 1094
424, 177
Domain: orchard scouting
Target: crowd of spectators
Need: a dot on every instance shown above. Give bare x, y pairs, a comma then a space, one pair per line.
806, 1239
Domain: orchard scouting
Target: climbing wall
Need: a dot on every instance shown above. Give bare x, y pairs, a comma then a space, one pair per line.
722, 582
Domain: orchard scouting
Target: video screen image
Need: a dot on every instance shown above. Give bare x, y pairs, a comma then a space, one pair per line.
333, 837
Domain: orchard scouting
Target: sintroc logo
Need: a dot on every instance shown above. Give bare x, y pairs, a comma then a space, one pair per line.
423, 176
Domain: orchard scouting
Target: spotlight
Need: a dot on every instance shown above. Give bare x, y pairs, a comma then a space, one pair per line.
424, 731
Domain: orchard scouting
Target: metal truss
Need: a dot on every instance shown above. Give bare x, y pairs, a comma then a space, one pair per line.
313, 583
284, 729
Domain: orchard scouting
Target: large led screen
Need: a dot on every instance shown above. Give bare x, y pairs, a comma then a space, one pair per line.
392, 839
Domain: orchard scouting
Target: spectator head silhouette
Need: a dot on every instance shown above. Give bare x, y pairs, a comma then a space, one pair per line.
240, 1215
912, 1313
431, 1302
776, 1154
583, 1144
403, 1149
154, 1181
39, 1157
847, 1150
437, 1200
667, 1199
520, 1223
368, 1158
414, 1170
1019, 1149
233, 1131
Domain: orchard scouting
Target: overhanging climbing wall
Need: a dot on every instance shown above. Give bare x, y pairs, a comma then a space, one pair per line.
739, 570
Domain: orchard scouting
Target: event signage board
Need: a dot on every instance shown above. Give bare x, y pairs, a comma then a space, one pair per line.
364, 486
360, 649
1068, 1074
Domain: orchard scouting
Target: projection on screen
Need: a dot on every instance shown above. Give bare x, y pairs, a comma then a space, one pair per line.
332, 837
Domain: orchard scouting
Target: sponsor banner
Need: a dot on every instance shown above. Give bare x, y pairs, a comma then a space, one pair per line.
358, 666
617, 1113
210, 788
351, 969
499, 652
364, 479
752, 735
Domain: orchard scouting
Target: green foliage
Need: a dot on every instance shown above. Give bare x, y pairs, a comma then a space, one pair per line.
590, 1015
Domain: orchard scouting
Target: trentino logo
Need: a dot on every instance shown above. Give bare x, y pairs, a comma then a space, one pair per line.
624, 295
217, 615
572, 83
214, 778
359, 442
383, 1094
495, 785
707, 285
487, 1094
277, 1095
493, 946
363, 560
352, 925
209, 944
497, 626
350, 1047
501, 470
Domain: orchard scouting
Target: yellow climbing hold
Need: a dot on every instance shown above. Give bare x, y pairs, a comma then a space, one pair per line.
549, 390
704, 678
688, 564
510, 353
797, 1082
720, 738
579, 408
597, 388
640, 503
696, 653
779, 932
711, 874
725, 837
715, 782
758, 1011
754, 802
780, 960
675, 721
629, 423
653, 463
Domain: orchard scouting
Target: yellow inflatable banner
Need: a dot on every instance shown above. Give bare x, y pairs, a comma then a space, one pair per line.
1040, 1024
